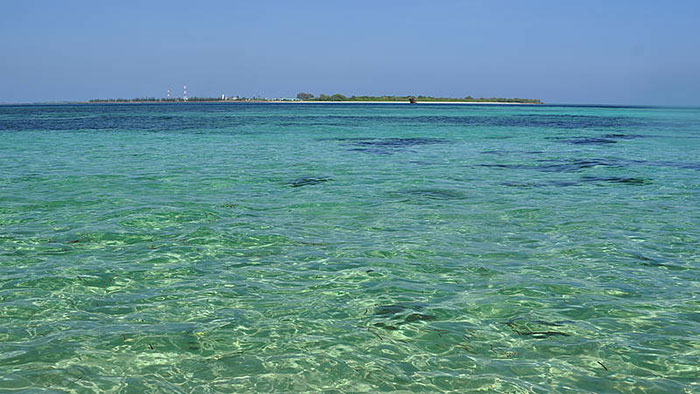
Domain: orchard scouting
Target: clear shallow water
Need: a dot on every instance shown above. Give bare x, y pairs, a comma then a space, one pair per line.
240, 247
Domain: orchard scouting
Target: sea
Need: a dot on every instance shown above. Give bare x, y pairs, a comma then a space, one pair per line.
282, 247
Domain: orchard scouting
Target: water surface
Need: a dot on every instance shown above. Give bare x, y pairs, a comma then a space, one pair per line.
360, 247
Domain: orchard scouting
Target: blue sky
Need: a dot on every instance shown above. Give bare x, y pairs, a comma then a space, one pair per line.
614, 51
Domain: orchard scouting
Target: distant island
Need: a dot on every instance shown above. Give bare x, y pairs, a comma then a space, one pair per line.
308, 97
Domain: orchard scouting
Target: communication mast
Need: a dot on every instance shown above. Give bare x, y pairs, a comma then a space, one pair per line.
168, 94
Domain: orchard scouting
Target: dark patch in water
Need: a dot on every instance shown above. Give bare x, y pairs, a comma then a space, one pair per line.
435, 194
537, 328
576, 165
400, 314
614, 179
388, 310
520, 184
541, 184
620, 136
621, 180
399, 142
589, 141
508, 166
508, 152
386, 326
572, 166
562, 183
575, 121
494, 152
307, 181
375, 151
419, 317
668, 266
385, 146
650, 262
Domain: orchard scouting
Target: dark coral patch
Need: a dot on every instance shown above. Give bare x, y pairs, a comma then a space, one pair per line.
307, 181
614, 179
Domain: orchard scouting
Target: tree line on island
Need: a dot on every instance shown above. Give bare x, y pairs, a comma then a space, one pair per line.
468, 99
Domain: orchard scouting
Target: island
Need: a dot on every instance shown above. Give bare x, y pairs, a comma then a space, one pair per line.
335, 98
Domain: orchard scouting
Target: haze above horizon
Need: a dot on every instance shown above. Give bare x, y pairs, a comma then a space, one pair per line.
594, 52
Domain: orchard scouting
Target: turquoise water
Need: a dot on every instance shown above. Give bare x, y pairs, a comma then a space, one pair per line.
294, 247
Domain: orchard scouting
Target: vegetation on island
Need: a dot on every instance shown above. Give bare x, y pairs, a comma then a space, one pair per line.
468, 99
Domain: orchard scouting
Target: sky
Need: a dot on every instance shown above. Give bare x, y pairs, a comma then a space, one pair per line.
634, 52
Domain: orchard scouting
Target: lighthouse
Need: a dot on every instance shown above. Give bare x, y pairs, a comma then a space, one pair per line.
184, 93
